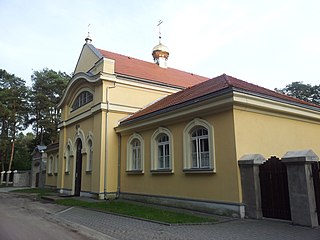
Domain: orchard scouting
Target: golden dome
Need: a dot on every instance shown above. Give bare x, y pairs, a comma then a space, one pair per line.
160, 51
161, 47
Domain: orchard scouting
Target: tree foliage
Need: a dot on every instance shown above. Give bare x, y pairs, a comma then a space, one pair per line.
14, 113
21, 106
47, 90
23, 148
305, 92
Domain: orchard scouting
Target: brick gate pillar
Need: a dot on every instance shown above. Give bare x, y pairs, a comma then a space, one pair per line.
301, 189
250, 182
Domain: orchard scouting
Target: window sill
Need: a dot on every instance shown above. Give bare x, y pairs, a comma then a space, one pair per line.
67, 173
134, 172
88, 172
198, 170
161, 171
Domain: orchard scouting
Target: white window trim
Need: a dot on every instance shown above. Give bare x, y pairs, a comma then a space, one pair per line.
154, 150
187, 158
129, 153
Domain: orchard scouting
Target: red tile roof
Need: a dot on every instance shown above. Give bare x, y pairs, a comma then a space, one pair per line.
150, 71
212, 86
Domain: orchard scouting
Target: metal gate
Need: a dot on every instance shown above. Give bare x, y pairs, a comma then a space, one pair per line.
274, 189
316, 183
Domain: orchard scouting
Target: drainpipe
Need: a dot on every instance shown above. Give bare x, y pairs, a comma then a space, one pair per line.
119, 165
107, 147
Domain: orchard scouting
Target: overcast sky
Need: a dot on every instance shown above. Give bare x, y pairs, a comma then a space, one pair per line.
270, 43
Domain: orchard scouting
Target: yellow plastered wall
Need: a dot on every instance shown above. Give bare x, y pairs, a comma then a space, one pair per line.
112, 150
86, 60
133, 96
51, 179
65, 180
274, 135
220, 186
99, 152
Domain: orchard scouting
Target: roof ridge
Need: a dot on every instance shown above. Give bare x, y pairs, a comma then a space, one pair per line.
99, 49
149, 62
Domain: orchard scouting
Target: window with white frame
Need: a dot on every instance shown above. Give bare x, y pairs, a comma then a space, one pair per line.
162, 150
56, 164
200, 148
89, 155
135, 153
198, 143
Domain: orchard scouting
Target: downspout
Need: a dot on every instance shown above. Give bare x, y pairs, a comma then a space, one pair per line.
106, 157
119, 165
107, 147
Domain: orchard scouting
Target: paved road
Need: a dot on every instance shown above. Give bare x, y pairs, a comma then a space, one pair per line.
22, 218
77, 223
117, 227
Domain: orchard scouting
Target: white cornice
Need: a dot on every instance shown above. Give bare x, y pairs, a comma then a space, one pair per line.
100, 107
270, 106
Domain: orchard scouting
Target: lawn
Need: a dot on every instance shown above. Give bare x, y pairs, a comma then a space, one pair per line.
139, 211
127, 208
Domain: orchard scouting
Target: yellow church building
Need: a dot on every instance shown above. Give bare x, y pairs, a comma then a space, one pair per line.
144, 131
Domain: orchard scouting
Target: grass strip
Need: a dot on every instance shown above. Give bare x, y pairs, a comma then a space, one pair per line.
145, 212
40, 191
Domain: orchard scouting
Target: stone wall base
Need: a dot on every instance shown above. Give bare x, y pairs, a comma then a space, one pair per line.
219, 208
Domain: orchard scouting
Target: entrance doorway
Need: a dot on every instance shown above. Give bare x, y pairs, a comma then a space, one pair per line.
78, 172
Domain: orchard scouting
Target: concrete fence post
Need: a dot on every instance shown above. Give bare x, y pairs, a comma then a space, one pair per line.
1, 180
250, 182
15, 178
8, 177
301, 188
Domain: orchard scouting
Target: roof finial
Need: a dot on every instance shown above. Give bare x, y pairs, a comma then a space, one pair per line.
88, 38
160, 21
160, 52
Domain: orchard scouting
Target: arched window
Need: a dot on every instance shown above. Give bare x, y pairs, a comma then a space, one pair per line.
82, 99
198, 146
162, 151
135, 153
56, 164
89, 155
50, 165
67, 157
